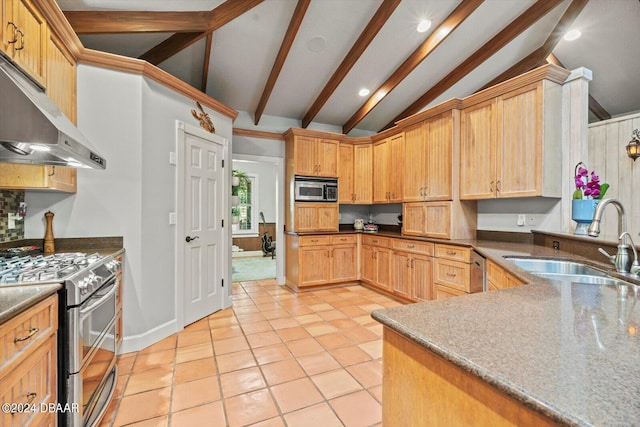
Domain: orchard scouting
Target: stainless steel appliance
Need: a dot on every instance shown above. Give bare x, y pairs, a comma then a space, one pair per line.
478, 274
87, 344
313, 189
33, 130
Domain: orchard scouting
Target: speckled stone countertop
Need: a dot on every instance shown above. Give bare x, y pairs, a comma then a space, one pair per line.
569, 351
15, 299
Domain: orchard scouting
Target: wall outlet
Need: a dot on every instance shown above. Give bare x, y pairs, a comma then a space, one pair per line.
533, 220
521, 220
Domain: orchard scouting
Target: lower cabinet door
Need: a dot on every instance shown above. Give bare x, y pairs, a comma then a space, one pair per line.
368, 265
344, 263
314, 262
383, 268
401, 279
421, 278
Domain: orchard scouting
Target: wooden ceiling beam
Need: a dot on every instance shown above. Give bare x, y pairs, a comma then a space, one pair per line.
378, 20
109, 22
457, 17
221, 15
510, 32
285, 47
539, 56
205, 64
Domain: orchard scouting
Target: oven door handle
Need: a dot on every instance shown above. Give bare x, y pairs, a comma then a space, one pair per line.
105, 297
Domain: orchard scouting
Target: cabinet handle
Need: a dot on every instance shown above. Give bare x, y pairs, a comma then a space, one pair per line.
491, 187
408, 263
450, 252
450, 274
375, 241
31, 333
31, 396
343, 239
498, 185
411, 262
15, 30
421, 191
21, 40
374, 255
314, 240
411, 246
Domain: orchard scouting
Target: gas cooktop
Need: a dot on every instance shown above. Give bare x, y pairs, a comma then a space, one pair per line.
41, 268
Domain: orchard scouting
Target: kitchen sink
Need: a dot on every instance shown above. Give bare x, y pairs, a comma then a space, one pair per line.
579, 278
540, 266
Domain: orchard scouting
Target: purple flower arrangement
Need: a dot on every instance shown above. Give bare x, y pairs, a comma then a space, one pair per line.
588, 185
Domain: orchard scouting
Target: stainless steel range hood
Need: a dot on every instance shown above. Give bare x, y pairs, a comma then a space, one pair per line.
33, 130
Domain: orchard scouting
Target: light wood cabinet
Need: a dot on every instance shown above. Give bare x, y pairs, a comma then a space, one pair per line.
388, 157
443, 220
428, 159
15, 176
510, 144
119, 278
355, 174
28, 362
321, 260
412, 269
315, 156
311, 217
375, 261
24, 37
451, 272
499, 278
61, 76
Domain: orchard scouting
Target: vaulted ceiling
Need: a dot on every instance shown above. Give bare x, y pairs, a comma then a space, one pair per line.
308, 59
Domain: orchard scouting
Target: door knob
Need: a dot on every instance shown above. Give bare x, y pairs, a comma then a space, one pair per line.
189, 238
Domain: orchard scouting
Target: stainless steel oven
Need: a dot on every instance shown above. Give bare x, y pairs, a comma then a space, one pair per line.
92, 352
313, 189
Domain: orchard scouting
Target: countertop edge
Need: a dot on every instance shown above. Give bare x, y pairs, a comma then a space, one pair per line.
477, 371
37, 293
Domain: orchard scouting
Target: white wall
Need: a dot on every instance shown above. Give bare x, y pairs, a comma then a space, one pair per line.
131, 122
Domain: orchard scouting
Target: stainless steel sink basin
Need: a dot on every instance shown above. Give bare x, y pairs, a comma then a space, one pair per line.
539, 266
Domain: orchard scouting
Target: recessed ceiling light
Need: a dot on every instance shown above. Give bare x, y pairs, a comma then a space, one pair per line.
364, 91
572, 35
423, 26
316, 44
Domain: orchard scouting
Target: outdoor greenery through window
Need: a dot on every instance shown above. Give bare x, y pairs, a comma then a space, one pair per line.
246, 222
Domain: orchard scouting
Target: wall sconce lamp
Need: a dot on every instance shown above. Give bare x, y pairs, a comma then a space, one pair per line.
633, 147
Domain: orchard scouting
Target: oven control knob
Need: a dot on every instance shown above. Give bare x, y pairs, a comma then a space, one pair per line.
83, 286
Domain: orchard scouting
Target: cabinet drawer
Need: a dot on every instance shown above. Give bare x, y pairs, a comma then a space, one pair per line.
424, 248
454, 274
32, 382
27, 330
343, 239
375, 241
314, 240
442, 292
454, 253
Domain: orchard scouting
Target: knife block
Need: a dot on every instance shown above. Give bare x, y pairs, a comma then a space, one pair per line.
49, 245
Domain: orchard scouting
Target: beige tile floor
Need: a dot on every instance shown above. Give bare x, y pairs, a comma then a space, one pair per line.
275, 358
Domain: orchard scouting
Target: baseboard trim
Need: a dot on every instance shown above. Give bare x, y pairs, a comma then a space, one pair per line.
140, 341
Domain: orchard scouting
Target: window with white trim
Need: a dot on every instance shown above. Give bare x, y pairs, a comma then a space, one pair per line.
245, 214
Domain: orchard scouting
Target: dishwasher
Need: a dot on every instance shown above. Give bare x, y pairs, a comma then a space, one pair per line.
478, 275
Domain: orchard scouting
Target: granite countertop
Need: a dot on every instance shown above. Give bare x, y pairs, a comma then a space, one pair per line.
570, 351
15, 299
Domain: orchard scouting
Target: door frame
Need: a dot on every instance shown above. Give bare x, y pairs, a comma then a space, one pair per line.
226, 294
278, 162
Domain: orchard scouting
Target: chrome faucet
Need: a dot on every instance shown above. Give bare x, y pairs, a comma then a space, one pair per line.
622, 259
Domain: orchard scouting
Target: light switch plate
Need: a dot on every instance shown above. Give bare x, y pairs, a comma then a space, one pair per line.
173, 158
173, 218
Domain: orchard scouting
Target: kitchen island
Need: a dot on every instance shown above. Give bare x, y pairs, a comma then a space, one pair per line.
541, 354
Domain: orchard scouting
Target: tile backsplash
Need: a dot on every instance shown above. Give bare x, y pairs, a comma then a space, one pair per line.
9, 203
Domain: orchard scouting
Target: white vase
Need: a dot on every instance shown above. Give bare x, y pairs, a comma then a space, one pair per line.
235, 181
235, 219
235, 201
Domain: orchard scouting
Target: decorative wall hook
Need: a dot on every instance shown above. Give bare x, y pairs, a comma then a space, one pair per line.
203, 118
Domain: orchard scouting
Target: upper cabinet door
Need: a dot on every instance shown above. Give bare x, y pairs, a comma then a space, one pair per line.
305, 156
438, 169
477, 152
363, 174
519, 146
414, 180
346, 192
381, 164
396, 168
327, 158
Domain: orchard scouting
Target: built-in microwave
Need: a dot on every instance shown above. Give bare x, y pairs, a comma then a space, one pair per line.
313, 189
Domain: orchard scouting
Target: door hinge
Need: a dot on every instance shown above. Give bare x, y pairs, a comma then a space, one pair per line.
223, 283
222, 162
223, 223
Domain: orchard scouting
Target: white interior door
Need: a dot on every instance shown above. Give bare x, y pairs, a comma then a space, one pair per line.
204, 238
